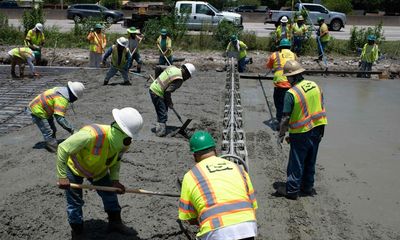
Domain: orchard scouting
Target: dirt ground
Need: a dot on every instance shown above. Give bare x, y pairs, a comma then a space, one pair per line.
32, 207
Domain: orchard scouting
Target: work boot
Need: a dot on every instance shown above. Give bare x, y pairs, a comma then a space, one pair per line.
281, 192
52, 145
76, 231
308, 192
13, 75
251, 61
161, 129
115, 224
126, 83
105, 83
138, 69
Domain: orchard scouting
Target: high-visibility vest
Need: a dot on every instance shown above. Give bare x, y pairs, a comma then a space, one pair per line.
24, 53
168, 45
169, 75
218, 193
48, 103
322, 29
241, 47
114, 57
370, 53
299, 31
308, 110
279, 32
98, 42
36, 38
93, 161
280, 58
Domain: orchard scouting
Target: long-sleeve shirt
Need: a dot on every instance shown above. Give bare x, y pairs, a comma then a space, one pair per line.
127, 56
370, 53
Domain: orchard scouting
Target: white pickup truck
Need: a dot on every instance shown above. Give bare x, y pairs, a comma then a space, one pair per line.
335, 20
202, 13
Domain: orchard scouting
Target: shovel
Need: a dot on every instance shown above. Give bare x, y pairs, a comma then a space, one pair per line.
166, 59
181, 130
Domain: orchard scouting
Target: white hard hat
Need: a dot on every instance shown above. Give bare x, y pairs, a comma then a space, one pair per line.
39, 27
129, 120
284, 19
122, 41
76, 88
190, 67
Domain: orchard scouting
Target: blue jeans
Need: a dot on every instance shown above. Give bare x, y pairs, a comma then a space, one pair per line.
112, 71
75, 201
162, 61
46, 126
242, 64
323, 46
297, 42
366, 67
160, 106
302, 159
279, 100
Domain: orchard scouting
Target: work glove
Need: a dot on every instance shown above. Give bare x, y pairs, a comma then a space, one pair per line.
117, 184
72, 131
63, 183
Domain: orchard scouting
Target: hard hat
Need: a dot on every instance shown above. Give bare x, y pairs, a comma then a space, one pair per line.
233, 38
37, 54
190, 68
98, 26
129, 120
300, 18
122, 41
39, 27
163, 31
76, 88
284, 19
292, 67
201, 140
320, 19
133, 30
371, 38
285, 43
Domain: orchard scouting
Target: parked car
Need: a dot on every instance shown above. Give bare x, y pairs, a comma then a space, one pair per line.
246, 8
9, 4
77, 12
335, 20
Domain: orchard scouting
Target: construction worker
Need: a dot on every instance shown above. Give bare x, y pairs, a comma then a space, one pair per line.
35, 40
323, 37
95, 153
160, 90
164, 44
21, 56
276, 62
98, 42
120, 60
283, 30
235, 45
134, 38
299, 34
53, 103
304, 115
217, 195
369, 55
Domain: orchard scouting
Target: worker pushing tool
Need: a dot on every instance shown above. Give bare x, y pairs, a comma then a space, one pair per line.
217, 195
305, 117
369, 55
323, 37
95, 153
53, 103
276, 62
21, 56
160, 91
120, 60
235, 45
35, 40
98, 43
135, 38
164, 45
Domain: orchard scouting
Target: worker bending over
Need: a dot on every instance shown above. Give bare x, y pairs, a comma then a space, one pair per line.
217, 195
304, 115
53, 103
20, 57
35, 40
95, 153
120, 60
160, 90
369, 55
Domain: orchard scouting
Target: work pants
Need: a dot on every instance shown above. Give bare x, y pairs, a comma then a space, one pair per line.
297, 43
95, 59
242, 64
17, 61
113, 70
323, 46
302, 159
75, 201
46, 126
161, 107
279, 100
162, 61
365, 67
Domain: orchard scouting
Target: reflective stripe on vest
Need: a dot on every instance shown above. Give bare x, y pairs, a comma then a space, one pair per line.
229, 207
278, 62
100, 137
251, 195
205, 187
114, 57
80, 168
43, 100
186, 206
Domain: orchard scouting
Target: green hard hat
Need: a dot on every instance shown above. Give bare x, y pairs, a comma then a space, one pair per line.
201, 140
371, 38
37, 54
320, 19
285, 43
234, 38
98, 26
164, 31
132, 30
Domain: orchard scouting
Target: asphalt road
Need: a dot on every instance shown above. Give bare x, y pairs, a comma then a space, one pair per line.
391, 32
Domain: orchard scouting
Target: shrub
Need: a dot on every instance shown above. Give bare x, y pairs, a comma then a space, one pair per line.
31, 17
338, 5
223, 33
358, 36
112, 4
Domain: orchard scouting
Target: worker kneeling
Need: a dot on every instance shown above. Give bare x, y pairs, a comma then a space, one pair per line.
217, 194
53, 103
21, 56
95, 153
160, 90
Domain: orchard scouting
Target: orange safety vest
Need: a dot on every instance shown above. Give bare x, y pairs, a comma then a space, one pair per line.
279, 59
48, 103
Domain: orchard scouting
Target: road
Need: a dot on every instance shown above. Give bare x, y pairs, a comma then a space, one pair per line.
391, 33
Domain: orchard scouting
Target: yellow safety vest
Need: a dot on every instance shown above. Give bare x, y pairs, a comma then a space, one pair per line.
168, 45
97, 42
279, 32
242, 47
169, 75
34, 37
24, 53
308, 110
114, 57
370, 53
280, 58
218, 193
299, 31
93, 161
48, 103
322, 29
